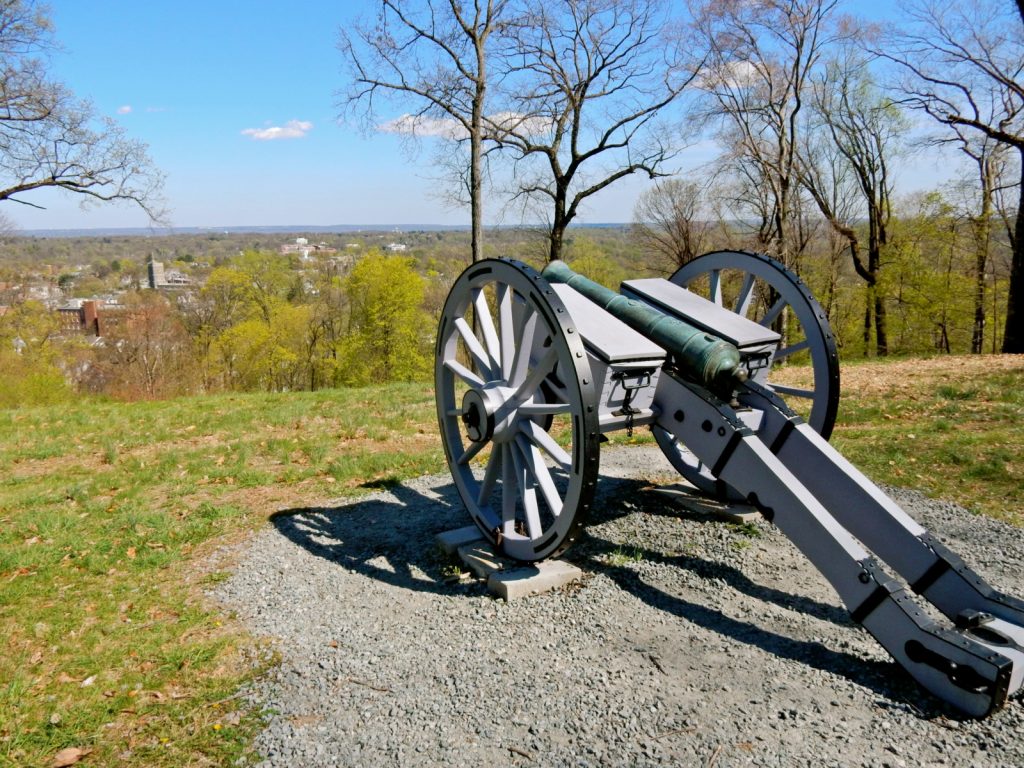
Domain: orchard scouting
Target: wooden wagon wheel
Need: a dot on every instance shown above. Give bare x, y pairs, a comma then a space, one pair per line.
516, 407
761, 289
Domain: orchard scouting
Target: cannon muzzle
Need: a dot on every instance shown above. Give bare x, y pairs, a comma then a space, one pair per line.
700, 356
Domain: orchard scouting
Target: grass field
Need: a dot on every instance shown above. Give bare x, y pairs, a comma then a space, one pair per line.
108, 512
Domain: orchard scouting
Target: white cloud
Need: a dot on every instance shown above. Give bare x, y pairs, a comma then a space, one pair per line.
448, 128
415, 125
293, 129
731, 74
124, 110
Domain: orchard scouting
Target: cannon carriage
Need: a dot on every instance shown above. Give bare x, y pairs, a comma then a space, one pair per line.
533, 368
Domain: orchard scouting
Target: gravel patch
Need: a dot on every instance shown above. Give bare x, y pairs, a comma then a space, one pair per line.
689, 642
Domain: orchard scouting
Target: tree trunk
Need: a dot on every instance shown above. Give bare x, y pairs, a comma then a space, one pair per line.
475, 201
868, 297
476, 140
1013, 337
978, 331
881, 331
558, 226
982, 240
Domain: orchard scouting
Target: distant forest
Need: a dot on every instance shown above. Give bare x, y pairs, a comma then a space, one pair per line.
257, 319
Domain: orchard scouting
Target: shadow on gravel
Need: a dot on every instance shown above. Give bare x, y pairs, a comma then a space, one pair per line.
629, 496
884, 678
391, 540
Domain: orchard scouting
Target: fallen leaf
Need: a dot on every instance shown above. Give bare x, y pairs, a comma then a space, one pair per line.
131, 553
68, 756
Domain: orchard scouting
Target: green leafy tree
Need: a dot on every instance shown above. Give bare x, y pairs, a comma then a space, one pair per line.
586, 257
389, 333
29, 357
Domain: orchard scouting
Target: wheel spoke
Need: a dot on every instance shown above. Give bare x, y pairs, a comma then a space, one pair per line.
772, 314
532, 382
715, 287
463, 373
546, 443
794, 391
469, 453
542, 475
746, 294
508, 331
792, 349
480, 356
544, 409
486, 323
490, 475
528, 494
508, 493
522, 358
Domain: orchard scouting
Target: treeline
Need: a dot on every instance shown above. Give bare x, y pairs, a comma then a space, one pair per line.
256, 324
265, 322
803, 112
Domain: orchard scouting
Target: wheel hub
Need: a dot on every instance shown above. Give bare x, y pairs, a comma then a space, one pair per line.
479, 421
487, 415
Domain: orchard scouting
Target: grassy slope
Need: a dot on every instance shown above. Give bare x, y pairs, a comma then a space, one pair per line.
106, 508
952, 427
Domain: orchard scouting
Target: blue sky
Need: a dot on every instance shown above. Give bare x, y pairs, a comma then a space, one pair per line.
198, 81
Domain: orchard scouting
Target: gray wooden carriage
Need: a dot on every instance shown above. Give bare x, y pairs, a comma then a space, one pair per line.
532, 368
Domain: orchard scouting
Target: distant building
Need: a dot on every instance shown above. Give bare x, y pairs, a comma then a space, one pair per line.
156, 274
160, 278
396, 247
80, 316
303, 247
91, 317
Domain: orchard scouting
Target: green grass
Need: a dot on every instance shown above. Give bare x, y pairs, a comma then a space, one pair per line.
951, 427
106, 509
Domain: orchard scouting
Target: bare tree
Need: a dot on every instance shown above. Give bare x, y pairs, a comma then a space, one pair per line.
860, 132
667, 222
49, 139
762, 56
964, 66
978, 201
433, 54
587, 80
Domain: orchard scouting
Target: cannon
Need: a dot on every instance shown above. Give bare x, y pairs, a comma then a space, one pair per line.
533, 368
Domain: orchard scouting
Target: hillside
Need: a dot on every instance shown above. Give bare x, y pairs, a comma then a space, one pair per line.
108, 512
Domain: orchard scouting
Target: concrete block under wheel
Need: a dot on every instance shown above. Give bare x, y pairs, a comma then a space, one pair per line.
450, 541
480, 558
523, 581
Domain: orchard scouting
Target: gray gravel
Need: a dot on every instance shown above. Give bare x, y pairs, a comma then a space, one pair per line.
689, 642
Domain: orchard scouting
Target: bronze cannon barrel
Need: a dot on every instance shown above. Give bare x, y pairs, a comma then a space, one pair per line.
706, 359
